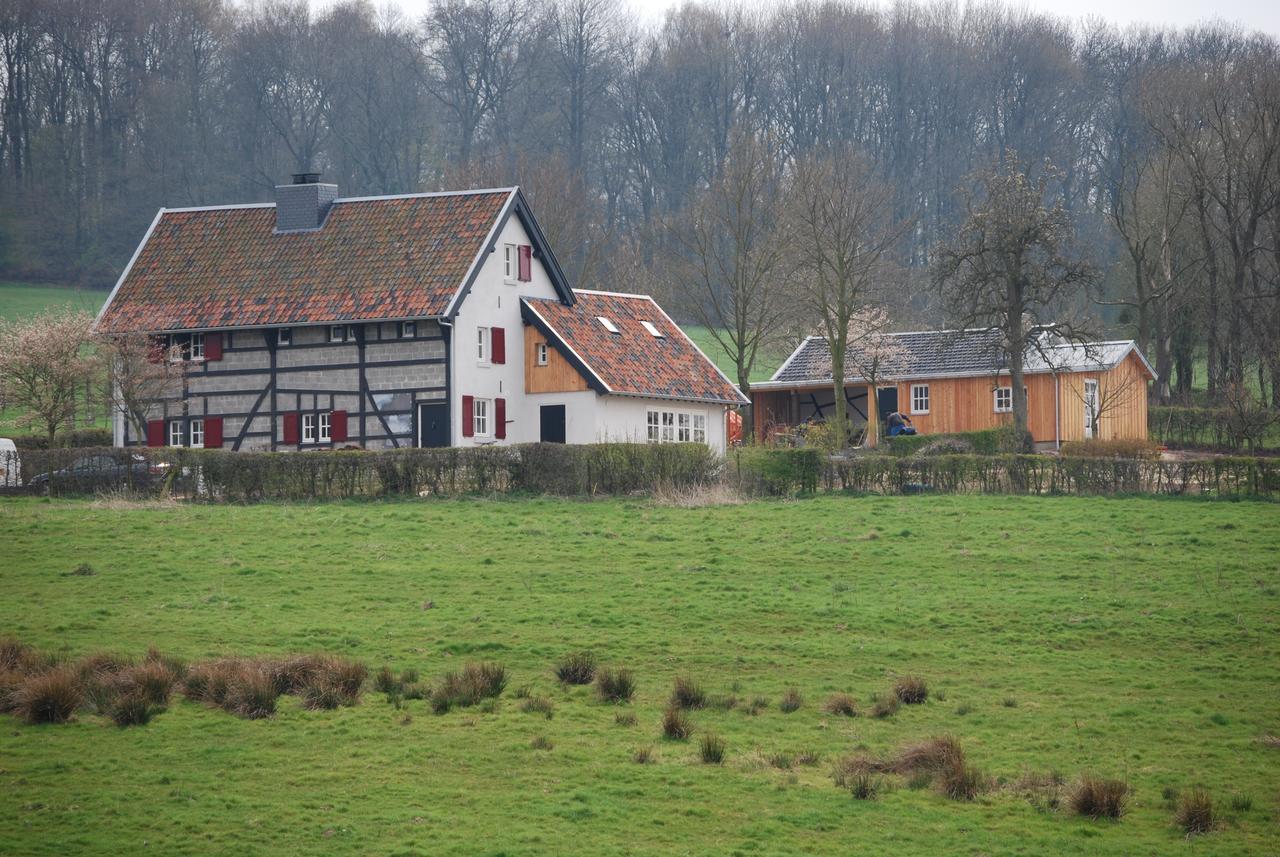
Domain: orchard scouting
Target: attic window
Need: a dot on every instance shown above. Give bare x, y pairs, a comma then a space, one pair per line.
608, 325
653, 331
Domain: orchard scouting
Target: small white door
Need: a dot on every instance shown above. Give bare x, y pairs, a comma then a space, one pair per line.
1090, 408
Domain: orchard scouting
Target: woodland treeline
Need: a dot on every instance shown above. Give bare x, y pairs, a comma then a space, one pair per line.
1164, 145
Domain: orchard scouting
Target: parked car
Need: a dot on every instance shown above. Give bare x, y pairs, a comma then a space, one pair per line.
10, 464
102, 472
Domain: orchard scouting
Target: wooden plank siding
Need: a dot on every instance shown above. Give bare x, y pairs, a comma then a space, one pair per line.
558, 376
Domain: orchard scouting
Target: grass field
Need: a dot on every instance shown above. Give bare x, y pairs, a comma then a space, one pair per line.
19, 300
1133, 638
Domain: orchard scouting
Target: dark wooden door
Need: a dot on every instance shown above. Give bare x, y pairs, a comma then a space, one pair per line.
433, 424
886, 402
551, 421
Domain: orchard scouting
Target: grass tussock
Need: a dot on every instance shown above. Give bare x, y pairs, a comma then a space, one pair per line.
1043, 790
644, 756
885, 706
474, 684
911, 690
48, 697
962, 781
841, 705
931, 756
132, 709
676, 725
791, 700
848, 768
625, 718
711, 749
542, 742
251, 693
1097, 797
696, 496
688, 694
1195, 812
615, 685
538, 705
576, 668
865, 786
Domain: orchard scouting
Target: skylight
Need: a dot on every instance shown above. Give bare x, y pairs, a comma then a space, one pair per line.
653, 331
608, 325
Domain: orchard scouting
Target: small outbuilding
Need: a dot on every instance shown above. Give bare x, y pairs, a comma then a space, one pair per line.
956, 381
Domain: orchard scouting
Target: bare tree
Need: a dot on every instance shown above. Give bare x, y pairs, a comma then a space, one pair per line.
840, 234
1012, 265
45, 361
876, 355
141, 372
730, 248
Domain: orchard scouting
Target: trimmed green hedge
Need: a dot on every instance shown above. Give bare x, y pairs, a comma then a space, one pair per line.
71, 439
986, 442
1212, 428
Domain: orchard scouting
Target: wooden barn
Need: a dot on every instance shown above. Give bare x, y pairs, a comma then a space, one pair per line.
955, 381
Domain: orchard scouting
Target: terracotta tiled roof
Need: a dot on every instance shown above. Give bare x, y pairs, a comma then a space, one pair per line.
376, 258
632, 361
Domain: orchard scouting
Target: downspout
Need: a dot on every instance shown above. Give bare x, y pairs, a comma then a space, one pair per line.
1057, 418
446, 331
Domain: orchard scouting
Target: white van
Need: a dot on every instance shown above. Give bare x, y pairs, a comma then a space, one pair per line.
10, 466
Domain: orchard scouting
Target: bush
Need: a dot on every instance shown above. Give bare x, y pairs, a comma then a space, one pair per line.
777, 472
911, 690
1097, 448
841, 704
48, 697
791, 700
711, 749
577, 668
1096, 797
687, 694
676, 725
1195, 812
132, 709
615, 685
993, 441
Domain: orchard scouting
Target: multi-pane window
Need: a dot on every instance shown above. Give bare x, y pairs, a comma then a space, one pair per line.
309, 428
326, 424
699, 428
175, 433
919, 398
482, 344
337, 333
1003, 400
510, 262
408, 329
675, 427
197, 346
653, 421
284, 336
480, 417
197, 434
541, 352
668, 427
682, 425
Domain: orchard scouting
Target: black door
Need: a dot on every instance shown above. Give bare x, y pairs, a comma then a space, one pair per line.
551, 419
886, 402
433, 424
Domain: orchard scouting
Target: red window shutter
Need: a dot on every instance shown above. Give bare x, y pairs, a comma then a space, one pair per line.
155, 432
498, 345
526, 263
338, 426
213, 432
290, 428
468, 416
213, 346
500, 418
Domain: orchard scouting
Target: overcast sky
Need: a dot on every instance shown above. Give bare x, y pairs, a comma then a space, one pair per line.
1252, 14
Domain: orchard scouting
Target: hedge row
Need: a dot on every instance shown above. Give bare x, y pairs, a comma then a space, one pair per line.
251, 476
71, 439
991, 441
1216, 428
789, 472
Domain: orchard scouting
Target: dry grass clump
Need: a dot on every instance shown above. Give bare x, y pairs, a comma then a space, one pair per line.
538, 705
841, 704
848, 768
1272, 741
48, 697
1042, 790
865, 786
542, 742
962, 781
676, 725
808, 758
644, 756
696, 496
251, 693
791, 700
615, 685
1097, 797
932, 756
1195, 813
885, 706
758, 704
711, 749
132, 709
911, 690
474, 684
625, 718
687, 694
576, 668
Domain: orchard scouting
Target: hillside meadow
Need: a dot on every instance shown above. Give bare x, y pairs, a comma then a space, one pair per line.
1131, 638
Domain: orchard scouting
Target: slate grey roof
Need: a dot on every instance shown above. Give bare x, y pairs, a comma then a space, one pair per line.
943, 353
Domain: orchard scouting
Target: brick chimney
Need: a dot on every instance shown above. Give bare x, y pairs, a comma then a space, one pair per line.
302, 205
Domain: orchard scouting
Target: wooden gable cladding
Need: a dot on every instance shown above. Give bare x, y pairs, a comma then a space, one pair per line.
558, 376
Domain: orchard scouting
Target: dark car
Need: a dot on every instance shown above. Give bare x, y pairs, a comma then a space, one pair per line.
101, 472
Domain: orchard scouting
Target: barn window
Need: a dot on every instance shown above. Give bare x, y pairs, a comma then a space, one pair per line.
699, 428
541, 351
919, 398
1003, 400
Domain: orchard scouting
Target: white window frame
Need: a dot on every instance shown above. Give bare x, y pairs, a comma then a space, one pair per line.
337, 333
668, 427
484, 345
922, 389
284, 337
308, 428
653, 422
699, 428
541, 353
997, 394
175, 428
480, 417
195, 349
195, 433
325, 422
408, 330
684, 427
653, 331
510, 263
608, 325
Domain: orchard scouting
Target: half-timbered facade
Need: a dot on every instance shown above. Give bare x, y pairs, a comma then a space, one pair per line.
318, 322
